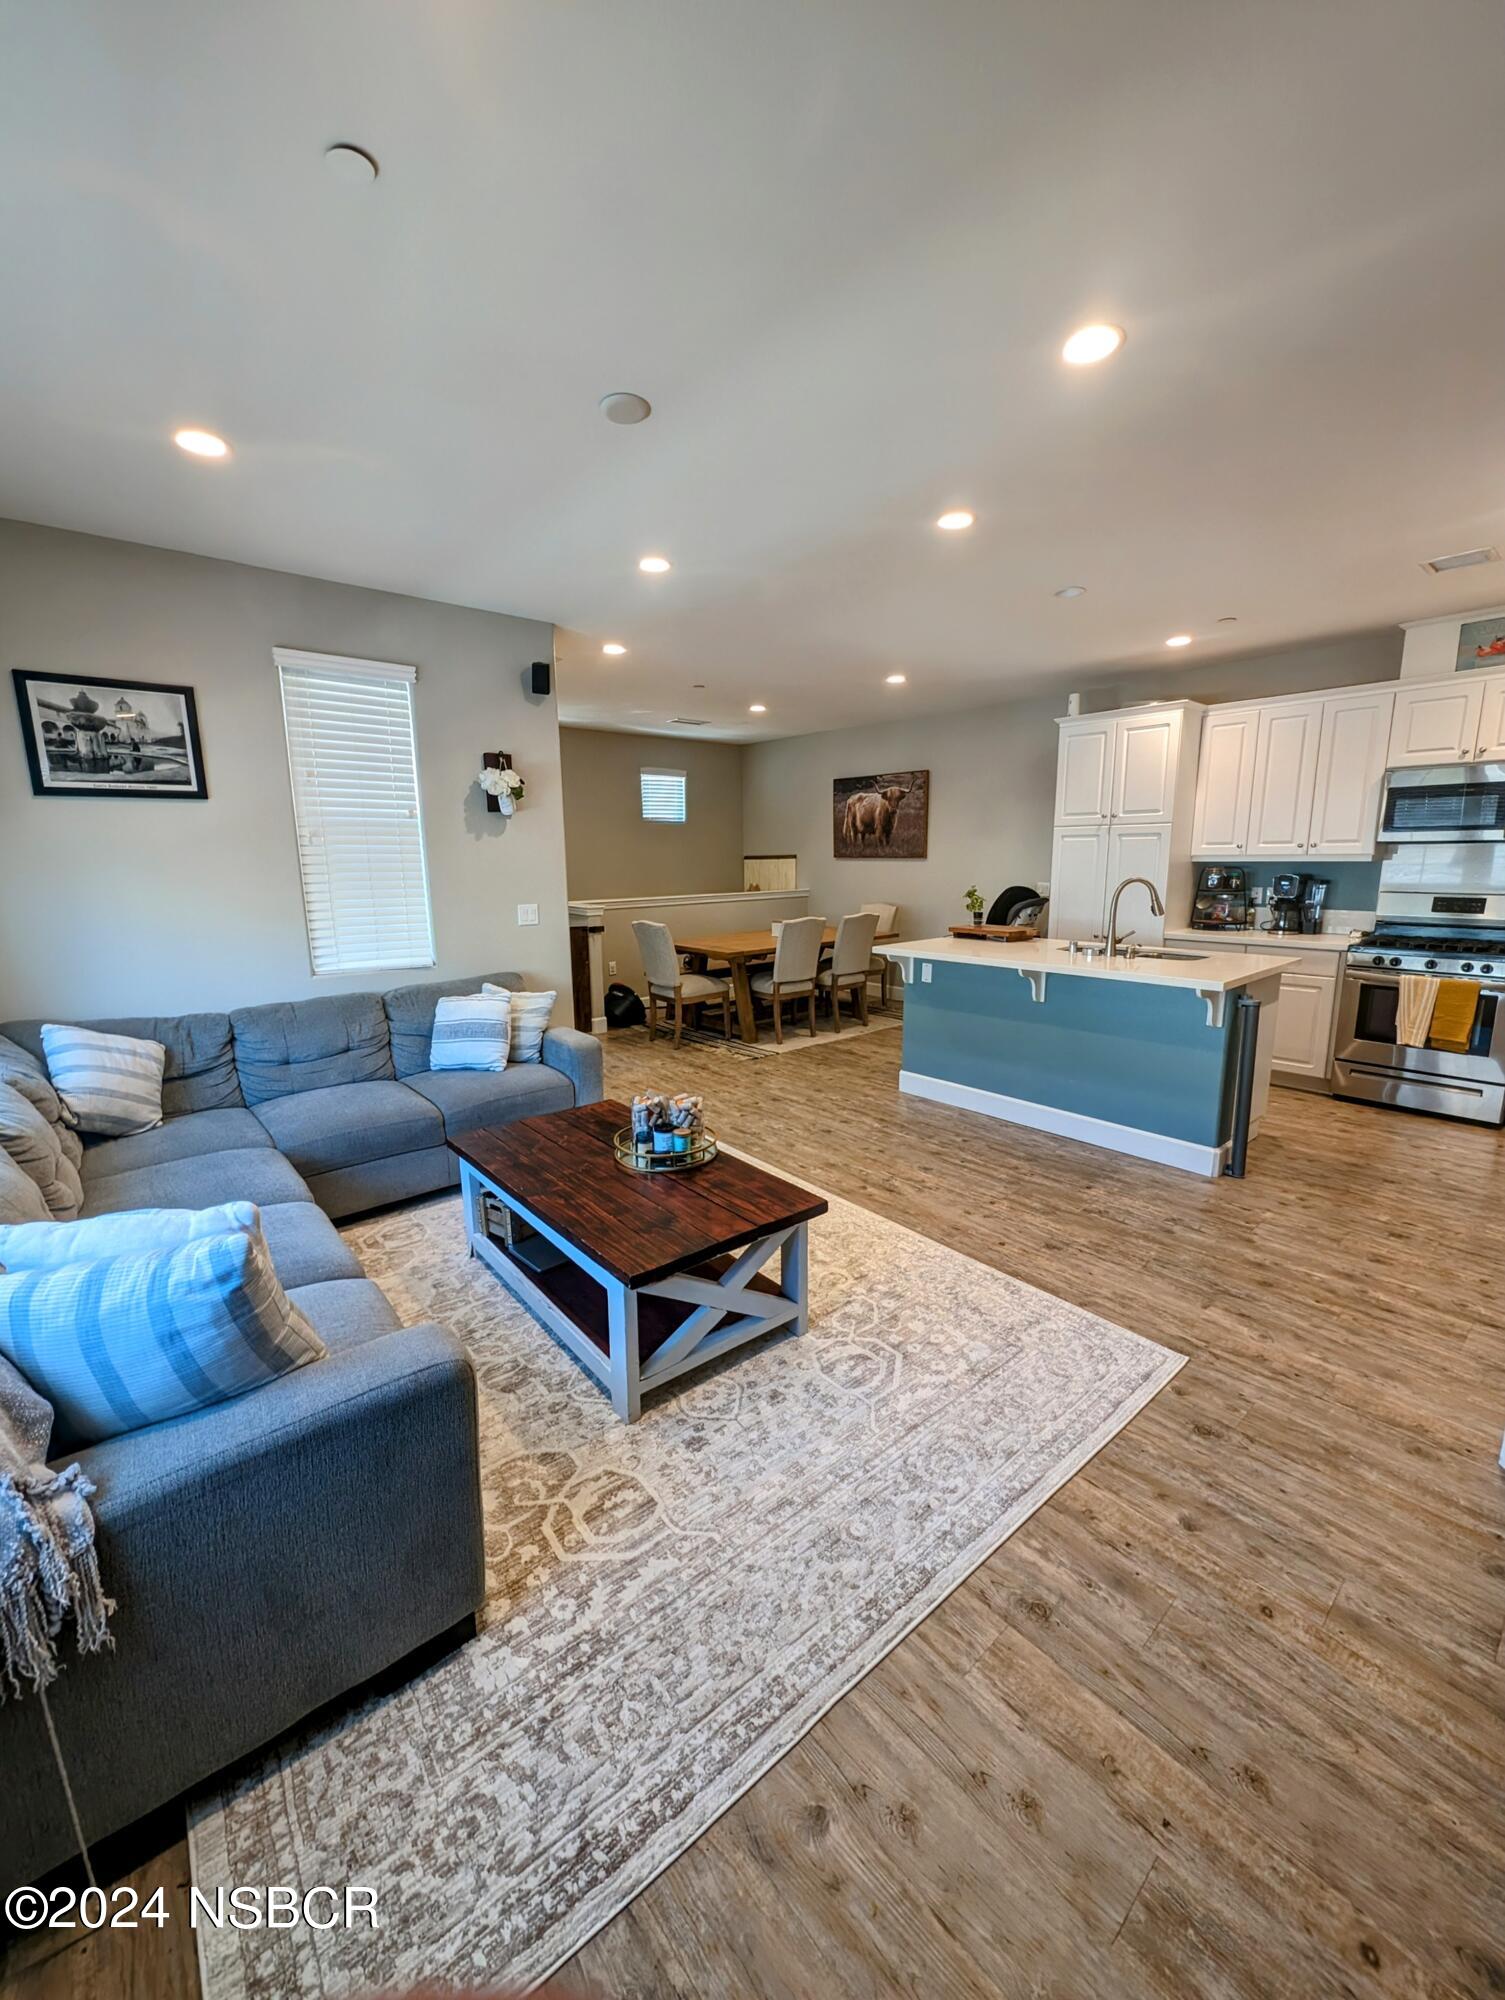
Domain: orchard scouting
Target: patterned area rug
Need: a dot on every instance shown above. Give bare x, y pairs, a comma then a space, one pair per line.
671, 1604
796, 1037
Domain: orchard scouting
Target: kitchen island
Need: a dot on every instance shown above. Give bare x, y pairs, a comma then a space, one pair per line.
1136, 1054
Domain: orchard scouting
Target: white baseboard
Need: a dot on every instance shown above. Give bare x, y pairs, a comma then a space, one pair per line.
598, 1026
1183, 1153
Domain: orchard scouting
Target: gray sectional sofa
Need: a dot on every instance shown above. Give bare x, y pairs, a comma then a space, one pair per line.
271, 1553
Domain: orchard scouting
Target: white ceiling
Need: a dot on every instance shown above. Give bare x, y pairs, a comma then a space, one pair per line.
838, 246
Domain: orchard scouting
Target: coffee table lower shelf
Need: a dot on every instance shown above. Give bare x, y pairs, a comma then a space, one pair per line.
632, 1338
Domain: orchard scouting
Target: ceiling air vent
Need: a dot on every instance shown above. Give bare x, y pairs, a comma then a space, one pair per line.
688, 721
1439, 564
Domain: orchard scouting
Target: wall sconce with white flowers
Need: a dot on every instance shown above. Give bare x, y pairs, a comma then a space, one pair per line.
502, 785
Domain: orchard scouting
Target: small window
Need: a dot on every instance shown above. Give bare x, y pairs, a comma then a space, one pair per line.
353, 763
664, 796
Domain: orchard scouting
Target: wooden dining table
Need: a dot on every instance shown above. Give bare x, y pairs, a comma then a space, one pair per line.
740, 951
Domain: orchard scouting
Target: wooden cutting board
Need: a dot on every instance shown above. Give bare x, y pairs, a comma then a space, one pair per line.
1004, 933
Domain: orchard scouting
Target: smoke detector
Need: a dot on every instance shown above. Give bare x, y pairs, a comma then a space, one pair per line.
1466, 560
351, 163
622, 407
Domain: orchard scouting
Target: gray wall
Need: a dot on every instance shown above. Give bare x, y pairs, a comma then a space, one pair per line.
1361, 656
992, 795
134, 905
611, 850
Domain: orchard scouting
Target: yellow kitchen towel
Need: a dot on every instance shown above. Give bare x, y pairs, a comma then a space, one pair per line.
1413, 1015
1453, 1015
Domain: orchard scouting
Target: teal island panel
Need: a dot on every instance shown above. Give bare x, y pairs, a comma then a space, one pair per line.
1141, 1056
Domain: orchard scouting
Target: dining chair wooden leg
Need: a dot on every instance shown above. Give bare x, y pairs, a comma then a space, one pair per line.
862, 1003
778, 1015
811, 1001
679, 1018
726, 1014
652, 1015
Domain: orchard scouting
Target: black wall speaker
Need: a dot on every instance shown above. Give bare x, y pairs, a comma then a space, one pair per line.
538, 677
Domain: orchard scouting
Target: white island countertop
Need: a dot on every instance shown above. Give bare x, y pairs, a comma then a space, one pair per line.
1210, 972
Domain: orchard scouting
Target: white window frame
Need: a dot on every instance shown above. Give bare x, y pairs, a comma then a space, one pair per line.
663, 819
315, 884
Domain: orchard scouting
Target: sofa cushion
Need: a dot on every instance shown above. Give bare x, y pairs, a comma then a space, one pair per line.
20, 1197
306, 1247
470, 1099
297, 1045
247, 1173
179, 1139
410, 1014
345, 1311
37, 1149
130, 1341
348, 1123
24, 1072
200, 1069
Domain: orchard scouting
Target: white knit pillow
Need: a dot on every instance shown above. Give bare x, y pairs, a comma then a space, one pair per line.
471, 1031
111, 1084
45, 1246
530, 1017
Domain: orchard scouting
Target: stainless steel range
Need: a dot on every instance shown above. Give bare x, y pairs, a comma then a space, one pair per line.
1441, 914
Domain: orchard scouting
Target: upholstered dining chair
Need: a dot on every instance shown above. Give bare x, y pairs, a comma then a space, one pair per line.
796, 960
888, 921
668, 981
851, 960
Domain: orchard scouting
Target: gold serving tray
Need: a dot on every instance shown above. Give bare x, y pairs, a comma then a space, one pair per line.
702, 1148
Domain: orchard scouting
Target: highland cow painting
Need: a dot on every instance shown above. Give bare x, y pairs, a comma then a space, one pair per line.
882, 816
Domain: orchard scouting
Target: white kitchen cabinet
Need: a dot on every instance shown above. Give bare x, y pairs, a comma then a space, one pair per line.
1490, 748
1138, 850
1146, 760
1078, 881
1350, 776
1436, 724
1084, 771
1225, 783
1285, 771
1303, 1028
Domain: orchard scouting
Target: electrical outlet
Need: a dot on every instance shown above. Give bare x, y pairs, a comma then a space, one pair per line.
611, 968
1042, 888
527, 913
925, 972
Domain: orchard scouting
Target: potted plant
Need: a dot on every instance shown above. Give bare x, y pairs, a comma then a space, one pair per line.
973, 901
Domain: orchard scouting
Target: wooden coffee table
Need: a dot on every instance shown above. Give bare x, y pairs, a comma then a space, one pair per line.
642, 1277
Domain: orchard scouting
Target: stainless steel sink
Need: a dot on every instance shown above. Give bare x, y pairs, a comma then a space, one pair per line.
1154, 951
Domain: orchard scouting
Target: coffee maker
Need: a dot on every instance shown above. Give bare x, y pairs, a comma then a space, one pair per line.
1295, 902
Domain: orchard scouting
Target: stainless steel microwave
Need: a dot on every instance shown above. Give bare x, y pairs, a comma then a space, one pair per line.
1444, 802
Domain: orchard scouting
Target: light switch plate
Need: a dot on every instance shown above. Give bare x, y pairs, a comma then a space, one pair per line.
611, 968
527, 913
924, 971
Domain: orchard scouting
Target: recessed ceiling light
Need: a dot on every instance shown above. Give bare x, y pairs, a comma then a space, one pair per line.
756, 708
1179, 639
1072, 590
1092, 343
654, 565
613, 648
622, 407
202, 444
957, 518
351, 163
896, 680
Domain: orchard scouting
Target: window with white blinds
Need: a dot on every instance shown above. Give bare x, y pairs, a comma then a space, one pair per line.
664, 795
354, 768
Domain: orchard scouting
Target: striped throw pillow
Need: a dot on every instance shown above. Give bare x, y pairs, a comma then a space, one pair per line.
471, 1031
130, 1341
111, 1084
530, 1017
47, 1246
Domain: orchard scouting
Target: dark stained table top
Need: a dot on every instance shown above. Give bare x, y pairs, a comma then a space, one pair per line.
640, 1227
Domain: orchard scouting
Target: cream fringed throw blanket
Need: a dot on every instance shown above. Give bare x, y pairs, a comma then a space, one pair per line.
49, 1571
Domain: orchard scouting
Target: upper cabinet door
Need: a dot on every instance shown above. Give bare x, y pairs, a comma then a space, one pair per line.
1491, 744
1078, 881
1350, 776
1225, 783
1144, 765
1285, 769
1084, 772
1436, 725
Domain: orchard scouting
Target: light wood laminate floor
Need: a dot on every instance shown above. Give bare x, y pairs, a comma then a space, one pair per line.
1224, 1717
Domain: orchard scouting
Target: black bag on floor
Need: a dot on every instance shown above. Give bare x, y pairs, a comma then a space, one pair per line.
624, 1009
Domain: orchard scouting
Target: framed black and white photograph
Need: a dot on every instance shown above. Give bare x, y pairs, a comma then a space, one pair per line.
92, 738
